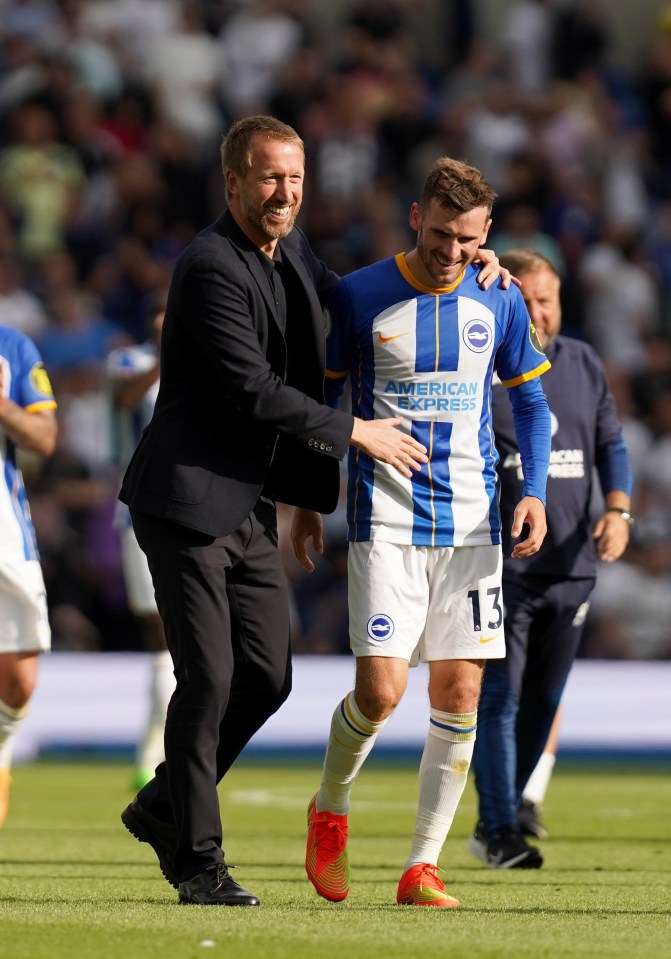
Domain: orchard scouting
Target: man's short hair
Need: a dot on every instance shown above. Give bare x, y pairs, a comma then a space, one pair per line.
523, 260
457, 186
236, 146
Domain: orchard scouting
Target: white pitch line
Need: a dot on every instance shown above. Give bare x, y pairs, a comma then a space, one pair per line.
266, 797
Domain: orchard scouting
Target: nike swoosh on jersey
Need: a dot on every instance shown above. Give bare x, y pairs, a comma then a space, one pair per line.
487, 639
388, 339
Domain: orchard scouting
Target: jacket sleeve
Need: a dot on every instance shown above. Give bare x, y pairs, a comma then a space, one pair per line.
217, 302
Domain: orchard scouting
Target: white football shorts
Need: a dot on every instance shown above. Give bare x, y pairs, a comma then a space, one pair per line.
24, 621
425, 602
139, 587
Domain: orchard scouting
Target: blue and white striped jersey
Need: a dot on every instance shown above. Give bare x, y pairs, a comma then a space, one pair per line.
26, 383
427, 356
128, 424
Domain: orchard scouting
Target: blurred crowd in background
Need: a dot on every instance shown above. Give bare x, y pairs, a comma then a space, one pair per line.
111, 116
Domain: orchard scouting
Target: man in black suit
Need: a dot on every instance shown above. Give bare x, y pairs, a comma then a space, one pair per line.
239, 423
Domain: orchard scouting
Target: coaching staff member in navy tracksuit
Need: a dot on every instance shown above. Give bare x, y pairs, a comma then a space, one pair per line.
239, 423
545, 596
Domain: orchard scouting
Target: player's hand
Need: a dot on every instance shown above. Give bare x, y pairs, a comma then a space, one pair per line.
305, 525
381, 440
529, 511
611, 533
491, 270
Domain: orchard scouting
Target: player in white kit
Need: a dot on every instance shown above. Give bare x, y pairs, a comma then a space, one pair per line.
133, 383
28, 422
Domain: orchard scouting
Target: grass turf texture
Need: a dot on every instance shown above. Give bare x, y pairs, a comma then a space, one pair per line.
73, 883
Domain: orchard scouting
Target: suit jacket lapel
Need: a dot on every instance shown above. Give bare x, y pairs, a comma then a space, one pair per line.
316, 312
227, 226
247, 252
261, 278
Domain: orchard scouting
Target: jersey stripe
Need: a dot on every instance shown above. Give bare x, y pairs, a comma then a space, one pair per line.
27, 385
428, 357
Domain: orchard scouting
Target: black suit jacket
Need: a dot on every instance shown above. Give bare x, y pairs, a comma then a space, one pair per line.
240, 407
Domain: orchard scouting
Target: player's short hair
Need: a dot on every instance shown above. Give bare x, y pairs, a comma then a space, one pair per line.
236, 147
523, 260
457, 187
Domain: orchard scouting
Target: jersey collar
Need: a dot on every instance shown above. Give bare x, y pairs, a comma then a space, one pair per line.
413, 281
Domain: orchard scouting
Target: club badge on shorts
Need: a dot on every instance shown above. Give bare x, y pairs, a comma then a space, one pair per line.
380, 627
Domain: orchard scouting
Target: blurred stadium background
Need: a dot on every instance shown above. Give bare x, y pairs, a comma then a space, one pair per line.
93, 705
111, 113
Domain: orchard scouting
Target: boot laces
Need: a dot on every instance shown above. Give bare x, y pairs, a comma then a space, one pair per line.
331, 836
429, 877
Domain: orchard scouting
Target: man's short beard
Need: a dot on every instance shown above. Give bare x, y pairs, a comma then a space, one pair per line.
278, 231
273, 231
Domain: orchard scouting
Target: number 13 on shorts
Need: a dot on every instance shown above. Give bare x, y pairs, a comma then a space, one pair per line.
428, 603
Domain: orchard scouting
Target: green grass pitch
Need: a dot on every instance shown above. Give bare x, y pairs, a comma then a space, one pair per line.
75, 885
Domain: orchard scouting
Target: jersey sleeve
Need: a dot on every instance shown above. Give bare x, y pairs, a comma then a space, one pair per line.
31, 381
614, 469
520, 356
611, 455
129, 361
608, 427
119, 365
531, 416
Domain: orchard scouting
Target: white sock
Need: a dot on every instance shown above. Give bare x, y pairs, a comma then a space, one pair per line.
151, 750
10, 720
539, 780
351, 739
442, 777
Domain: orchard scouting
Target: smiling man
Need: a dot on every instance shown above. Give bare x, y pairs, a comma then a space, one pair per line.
420, 338
239, 423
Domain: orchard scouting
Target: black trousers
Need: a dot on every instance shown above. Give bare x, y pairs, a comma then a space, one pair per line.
225, 610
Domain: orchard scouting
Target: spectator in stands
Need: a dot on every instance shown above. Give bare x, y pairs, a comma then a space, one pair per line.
19, 308
41, 181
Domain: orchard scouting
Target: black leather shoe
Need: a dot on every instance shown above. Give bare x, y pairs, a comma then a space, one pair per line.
161, 836
214, 887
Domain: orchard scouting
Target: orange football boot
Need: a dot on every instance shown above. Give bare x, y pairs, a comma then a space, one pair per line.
326, 857
421, 886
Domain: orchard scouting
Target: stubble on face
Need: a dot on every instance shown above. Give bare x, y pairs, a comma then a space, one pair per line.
446, 244
263, 217
541, 292
268, 197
